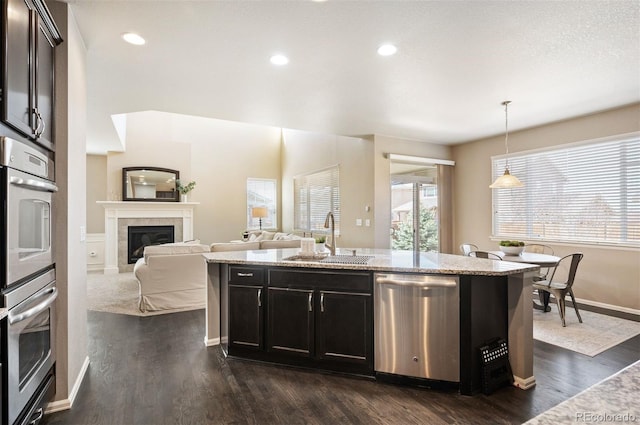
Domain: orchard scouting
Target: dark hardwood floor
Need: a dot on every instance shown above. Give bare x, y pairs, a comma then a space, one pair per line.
156, 370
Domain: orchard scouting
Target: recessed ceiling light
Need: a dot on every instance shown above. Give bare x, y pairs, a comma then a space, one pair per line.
133, 38
387, 50
279, 59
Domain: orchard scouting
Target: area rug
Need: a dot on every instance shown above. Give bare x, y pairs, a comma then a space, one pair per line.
596, 334
613, 400
117, 293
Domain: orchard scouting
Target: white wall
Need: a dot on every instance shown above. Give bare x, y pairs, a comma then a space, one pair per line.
218, 155
69, 207
606, 275
305, 152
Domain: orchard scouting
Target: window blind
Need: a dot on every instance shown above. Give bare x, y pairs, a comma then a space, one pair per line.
316, 194
586, 193
262, 193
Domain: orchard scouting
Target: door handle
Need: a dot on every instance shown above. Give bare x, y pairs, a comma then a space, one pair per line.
322, 302
260, 297
38, 415
33, 184
384, 280
53, 294
310, 301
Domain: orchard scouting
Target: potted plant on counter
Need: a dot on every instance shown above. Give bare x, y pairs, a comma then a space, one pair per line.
185, 189
320, 240
512, 247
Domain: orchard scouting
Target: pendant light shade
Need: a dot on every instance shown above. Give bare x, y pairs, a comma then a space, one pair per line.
506, 181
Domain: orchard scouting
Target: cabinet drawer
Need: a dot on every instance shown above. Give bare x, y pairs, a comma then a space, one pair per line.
246, 274
321, 280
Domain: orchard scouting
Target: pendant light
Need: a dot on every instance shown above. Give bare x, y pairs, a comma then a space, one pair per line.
506, 181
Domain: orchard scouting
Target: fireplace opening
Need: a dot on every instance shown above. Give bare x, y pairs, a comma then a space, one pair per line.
140, 236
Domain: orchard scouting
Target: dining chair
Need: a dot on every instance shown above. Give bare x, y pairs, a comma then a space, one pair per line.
561, 282
538, 248
485, 254
466, 248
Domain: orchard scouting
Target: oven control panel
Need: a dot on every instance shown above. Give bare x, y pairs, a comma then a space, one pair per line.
21, 157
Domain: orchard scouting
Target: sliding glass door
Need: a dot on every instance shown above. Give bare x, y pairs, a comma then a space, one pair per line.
414, 208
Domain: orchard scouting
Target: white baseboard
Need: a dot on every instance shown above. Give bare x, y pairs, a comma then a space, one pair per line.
111, 270
65, 404
211, 342
95, 268
524, 383
609, 306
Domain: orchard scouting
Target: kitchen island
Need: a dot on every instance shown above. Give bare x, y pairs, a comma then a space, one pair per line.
321, 314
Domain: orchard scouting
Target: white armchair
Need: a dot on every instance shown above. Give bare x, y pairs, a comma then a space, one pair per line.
172, 277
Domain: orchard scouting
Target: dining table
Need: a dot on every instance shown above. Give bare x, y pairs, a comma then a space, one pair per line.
542, 260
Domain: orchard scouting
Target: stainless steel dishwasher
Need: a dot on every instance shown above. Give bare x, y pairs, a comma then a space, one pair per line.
417, 326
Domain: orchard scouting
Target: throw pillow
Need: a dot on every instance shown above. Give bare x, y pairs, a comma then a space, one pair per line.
267, 236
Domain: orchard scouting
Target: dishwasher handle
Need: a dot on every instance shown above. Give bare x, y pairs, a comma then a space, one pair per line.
426, 283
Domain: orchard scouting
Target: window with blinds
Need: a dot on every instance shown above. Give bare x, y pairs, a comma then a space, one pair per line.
316, 194
587, 192
262, 193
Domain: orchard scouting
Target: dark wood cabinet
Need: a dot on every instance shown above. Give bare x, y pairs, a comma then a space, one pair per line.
290, 321
246, 321
43, 92
312, 318
324, 316
343, 327
27, 93
246, 308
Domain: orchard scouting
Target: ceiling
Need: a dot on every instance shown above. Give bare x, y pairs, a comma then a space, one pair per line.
456, 62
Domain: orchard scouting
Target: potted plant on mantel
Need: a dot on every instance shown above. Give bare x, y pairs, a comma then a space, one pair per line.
185, 189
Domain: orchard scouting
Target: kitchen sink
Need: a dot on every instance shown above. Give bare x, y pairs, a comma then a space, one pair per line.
334, 259
347, 259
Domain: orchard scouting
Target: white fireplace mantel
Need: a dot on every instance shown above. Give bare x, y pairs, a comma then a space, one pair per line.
114, 210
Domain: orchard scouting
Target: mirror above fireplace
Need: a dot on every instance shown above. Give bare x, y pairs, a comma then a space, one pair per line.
150, 184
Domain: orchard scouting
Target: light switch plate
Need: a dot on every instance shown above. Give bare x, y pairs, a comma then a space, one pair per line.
358, 222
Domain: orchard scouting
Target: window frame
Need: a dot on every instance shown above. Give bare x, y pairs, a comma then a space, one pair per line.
307, 222
271, 221
617, 192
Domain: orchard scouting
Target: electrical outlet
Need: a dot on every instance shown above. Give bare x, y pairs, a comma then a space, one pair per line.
367, 222
358, 222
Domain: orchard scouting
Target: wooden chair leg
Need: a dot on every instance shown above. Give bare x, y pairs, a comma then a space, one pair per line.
575, 306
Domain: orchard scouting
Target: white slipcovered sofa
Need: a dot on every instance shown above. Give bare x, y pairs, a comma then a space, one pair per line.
259, 239
172, 277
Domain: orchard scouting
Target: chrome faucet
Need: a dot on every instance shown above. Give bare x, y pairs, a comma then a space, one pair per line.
327, 222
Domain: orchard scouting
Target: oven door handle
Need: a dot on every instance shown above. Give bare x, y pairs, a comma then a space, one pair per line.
53, 294
33, 184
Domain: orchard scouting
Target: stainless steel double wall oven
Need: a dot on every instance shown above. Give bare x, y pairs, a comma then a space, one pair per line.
28, 281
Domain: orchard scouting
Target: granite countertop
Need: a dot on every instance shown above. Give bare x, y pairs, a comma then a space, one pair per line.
384, 260
3, 313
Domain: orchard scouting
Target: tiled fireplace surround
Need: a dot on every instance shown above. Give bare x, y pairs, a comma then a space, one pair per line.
119, 215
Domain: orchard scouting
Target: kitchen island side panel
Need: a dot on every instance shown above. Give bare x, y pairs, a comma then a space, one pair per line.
483, 317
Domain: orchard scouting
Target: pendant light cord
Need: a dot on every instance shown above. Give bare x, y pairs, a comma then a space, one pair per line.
506, 131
